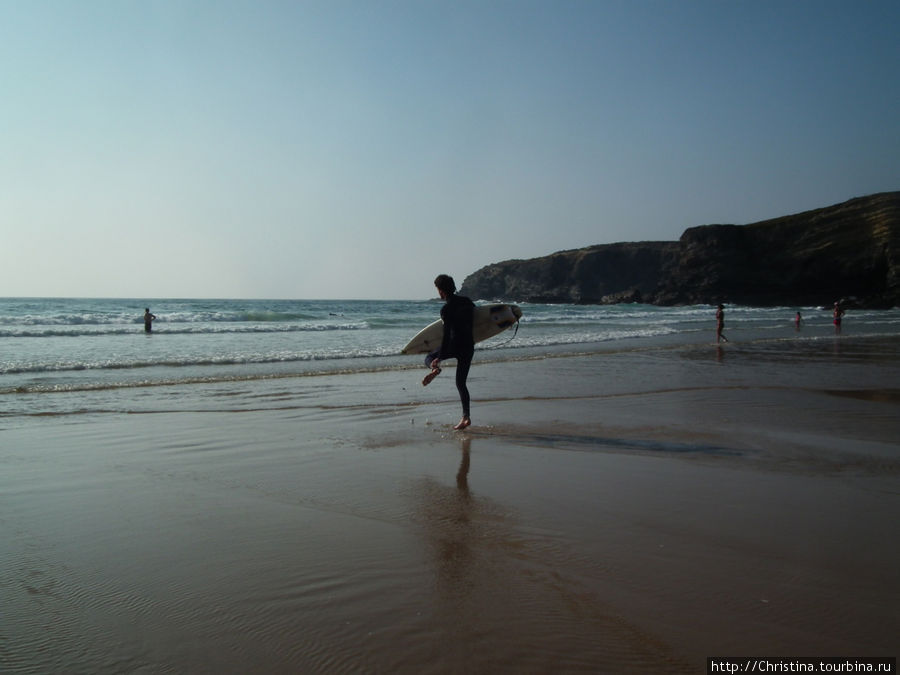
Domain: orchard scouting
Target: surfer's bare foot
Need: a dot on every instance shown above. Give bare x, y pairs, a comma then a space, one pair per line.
430, 376
463, 423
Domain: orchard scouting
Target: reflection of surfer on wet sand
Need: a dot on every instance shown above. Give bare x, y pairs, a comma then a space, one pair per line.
453, 532
462, 476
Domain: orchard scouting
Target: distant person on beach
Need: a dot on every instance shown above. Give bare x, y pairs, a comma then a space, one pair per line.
797, 320
457, 342
148, 320
838, 313
720, 324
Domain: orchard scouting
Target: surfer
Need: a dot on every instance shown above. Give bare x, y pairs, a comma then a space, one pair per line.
837, 314
457, 342
720, 324
148, 320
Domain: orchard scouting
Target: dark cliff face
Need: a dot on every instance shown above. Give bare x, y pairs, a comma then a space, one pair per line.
849, 251
594, 275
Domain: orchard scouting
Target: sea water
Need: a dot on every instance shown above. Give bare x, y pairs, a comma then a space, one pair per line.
60, 356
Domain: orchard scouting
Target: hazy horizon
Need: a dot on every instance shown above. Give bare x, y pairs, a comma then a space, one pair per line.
289, 299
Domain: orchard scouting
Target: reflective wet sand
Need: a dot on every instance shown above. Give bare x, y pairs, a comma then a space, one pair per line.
617, 513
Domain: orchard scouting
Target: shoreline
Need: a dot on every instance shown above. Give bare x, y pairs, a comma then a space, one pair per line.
616, 512
60, 383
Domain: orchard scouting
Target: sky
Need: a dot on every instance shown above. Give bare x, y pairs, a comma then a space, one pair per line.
355, 149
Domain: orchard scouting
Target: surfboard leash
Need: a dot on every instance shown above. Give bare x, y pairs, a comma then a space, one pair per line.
515, 332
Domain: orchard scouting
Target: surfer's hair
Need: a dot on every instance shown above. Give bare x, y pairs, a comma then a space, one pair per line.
444, 282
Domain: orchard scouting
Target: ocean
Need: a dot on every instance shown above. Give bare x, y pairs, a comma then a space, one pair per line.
67, 355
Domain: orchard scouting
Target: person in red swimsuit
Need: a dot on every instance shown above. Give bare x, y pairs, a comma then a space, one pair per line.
837, 314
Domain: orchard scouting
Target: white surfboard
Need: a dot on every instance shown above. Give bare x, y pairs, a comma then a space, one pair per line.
487, 321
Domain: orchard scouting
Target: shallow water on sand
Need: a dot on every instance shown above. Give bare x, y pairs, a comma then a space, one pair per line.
231, 554
624, 512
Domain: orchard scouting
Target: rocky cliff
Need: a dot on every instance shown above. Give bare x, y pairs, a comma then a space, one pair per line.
849, 251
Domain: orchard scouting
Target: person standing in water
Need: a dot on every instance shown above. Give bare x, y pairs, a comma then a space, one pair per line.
457, 343
148, 320
720, 324
837, 314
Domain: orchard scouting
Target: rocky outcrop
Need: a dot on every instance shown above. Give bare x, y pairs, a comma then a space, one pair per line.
850, 251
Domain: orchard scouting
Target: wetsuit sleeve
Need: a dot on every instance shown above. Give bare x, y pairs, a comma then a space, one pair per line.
446, 316
465, 325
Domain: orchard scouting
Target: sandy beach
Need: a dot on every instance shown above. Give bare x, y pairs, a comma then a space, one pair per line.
628, 512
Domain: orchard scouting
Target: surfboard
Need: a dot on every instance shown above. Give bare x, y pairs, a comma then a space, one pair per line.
487, 321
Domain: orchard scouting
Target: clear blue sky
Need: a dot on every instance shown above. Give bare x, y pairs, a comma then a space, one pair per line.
355, 149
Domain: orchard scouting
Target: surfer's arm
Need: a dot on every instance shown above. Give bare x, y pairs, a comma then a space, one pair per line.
447, 317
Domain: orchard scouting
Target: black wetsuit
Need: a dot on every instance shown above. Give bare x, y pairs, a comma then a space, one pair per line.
458, 342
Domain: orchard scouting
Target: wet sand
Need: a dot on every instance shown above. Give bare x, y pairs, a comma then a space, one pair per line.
630, 512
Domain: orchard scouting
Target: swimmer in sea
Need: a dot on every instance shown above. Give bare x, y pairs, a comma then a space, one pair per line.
148, 320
